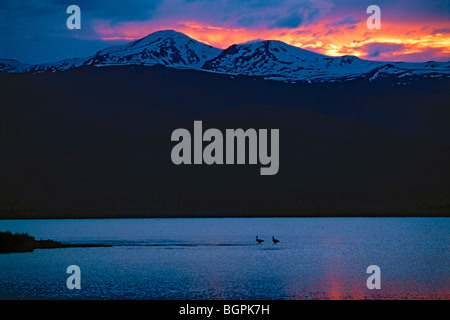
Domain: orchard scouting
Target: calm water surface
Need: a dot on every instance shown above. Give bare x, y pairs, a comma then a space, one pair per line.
317, 258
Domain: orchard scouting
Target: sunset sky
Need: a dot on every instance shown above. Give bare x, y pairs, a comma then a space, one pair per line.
411, 30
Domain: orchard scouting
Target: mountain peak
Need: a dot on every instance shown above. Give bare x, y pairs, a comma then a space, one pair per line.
168, 33
164, 34
166, 47
169, 37
266, 57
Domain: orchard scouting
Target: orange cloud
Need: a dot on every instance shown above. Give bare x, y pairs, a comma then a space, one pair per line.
334, 37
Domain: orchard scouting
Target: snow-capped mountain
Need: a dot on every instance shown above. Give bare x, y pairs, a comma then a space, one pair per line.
279, 61
169, 48
272, 59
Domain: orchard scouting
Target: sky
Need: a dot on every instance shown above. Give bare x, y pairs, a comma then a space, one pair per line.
35, 31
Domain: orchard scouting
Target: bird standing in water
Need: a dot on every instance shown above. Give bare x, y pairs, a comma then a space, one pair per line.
275, 241
259, 240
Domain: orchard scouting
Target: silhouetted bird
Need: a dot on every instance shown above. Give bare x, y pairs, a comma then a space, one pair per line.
259, 240
275, 241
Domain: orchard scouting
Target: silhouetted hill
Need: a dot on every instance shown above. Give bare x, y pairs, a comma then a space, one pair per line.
95, 142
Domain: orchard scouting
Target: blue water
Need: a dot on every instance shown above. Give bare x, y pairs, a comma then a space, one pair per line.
317, 258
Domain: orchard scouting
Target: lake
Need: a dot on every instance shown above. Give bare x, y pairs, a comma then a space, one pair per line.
206, 259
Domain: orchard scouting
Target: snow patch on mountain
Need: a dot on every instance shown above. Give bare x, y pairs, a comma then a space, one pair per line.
13, 66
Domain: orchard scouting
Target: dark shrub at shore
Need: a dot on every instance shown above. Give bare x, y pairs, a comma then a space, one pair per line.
16, 242
22, 242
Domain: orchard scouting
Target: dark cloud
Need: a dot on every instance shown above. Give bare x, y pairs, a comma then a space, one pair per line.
247, 13
298, 32
331, 31
427, 54
134, 10
396, 9
441, 30
302, 13
313, 15
119, 10
292, 21
347, 20
376, 49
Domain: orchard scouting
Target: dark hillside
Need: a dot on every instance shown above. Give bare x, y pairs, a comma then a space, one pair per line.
95, 142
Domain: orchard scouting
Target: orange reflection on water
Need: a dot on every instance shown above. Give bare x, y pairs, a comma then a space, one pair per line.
334, 280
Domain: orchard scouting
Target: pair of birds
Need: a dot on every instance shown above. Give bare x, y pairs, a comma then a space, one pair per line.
275, 241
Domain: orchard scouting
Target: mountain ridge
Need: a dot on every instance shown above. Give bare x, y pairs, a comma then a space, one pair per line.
272, 59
